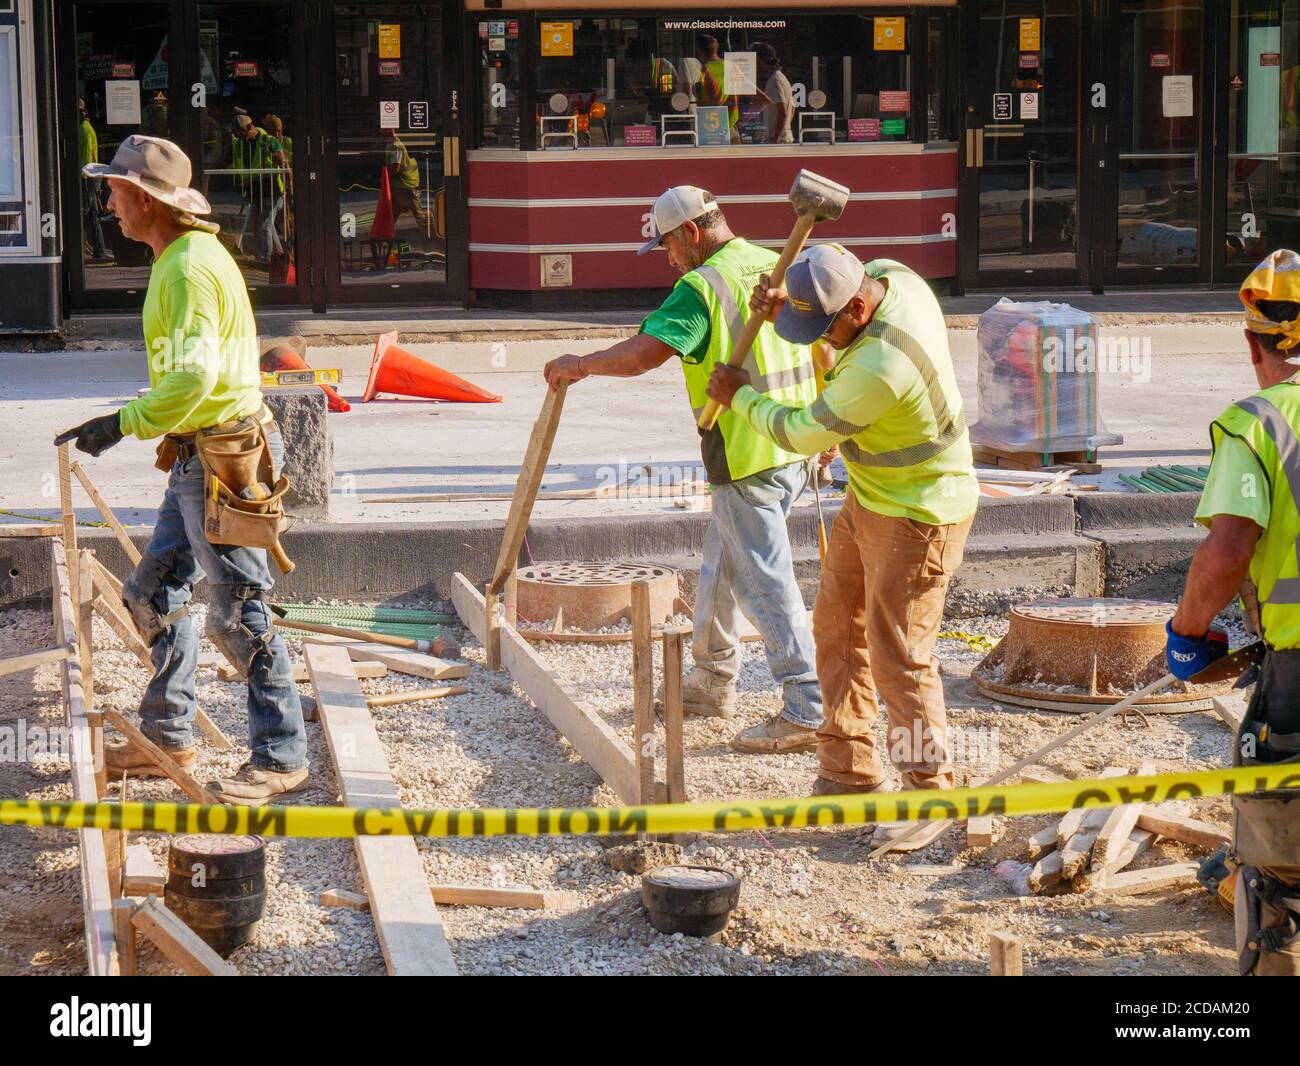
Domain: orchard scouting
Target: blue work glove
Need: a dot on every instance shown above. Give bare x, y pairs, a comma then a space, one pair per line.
1190, 655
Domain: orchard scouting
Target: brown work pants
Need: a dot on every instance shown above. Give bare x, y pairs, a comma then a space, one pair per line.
877, 613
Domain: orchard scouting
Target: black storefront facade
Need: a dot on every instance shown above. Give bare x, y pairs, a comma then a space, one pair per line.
410, 154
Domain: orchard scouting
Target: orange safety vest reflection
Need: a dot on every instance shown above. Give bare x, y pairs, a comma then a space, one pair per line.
711, 94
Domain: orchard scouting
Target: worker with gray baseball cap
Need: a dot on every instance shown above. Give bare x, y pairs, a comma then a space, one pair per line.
748, 566
891, 405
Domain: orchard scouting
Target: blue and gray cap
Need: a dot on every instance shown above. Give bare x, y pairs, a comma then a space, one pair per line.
819, 285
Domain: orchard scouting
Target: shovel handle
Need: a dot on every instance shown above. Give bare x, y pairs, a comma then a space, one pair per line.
740, 346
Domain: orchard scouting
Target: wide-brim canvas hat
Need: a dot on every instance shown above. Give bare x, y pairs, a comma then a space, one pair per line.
157, 166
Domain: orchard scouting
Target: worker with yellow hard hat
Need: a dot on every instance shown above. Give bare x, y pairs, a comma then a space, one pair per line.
1250, 506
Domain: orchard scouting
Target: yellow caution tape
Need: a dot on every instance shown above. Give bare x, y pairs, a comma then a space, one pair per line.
974, 641
793, 813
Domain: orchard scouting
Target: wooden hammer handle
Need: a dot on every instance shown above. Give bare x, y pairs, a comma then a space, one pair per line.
740, 346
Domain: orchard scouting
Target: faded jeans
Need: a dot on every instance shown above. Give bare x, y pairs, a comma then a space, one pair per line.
277, 736
748, 569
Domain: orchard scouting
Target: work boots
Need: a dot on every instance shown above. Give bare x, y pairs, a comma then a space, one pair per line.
124, 757
776, 736
252, 786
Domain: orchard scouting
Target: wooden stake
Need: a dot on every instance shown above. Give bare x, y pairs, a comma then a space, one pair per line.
1006, 956
85, 623
675, 755
491, 608
184, 780
95, 720
124, 934
643, 690
34, 659
69, 518
530, 480
178, 941
979, 831
132, 552
512, 598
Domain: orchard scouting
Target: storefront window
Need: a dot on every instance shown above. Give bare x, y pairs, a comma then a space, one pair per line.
1263, 193
13, 208
747, 79
498, 62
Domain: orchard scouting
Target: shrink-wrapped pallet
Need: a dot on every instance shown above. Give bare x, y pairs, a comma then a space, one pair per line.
1037, 384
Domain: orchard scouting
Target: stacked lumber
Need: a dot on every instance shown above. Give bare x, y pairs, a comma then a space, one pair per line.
1090, 848
997, 482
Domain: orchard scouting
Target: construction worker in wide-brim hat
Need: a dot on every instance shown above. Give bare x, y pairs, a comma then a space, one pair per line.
892, 406
204, 382
747, 567
1249, 504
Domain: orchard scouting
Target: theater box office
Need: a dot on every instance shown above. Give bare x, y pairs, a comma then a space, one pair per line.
410, 154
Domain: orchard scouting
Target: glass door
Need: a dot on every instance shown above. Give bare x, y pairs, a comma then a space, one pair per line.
119, 84
1159, 189
388, 167
1021, 149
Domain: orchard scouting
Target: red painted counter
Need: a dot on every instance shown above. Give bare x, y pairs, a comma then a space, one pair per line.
593, 204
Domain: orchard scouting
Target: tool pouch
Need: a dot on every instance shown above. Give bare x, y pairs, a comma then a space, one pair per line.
169, 448
236, 457
1267, 920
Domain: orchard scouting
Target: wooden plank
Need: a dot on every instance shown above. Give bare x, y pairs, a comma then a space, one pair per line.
365, 671
1042, 842
212, 731
181, 777
68, 517
528, 899
530, 480
124, 932
406, 918
132, 552
511, 598
178, 941
399, 660
1114, 832
141, 874
1139, 840
591, 736
32, 660
1069, 825
116, 618
979, 831
341, 897
108, 579
1231, 707
492, 622
85, 601
1046, 872
1167, 821
96, 893
644, 740
1006, 956
1131, 882
674, 742
30, 529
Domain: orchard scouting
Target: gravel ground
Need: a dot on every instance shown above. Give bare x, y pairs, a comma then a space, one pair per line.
810, 903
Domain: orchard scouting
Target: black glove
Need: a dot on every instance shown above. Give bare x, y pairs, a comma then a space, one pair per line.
95, 436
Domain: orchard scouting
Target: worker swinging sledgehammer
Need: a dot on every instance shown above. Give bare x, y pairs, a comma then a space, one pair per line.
891, 404
1250, 504
748, 564
223, 452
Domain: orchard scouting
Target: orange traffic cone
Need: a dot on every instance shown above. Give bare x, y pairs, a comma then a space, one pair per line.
394, 369
382, 228
282, 358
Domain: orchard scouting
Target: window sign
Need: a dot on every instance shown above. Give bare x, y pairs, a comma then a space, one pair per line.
557, 38
896, 100
1029, 105
390, 68
1031, 34
1001, 107
390, 115
122, 103
11, 160
639, 136
887, 34
390, 40
864, 129
1159, 59
712, 125
894, 127
1176, 95
417, 114
740, 73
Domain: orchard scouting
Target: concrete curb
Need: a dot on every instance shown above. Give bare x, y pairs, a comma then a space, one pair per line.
1117, 543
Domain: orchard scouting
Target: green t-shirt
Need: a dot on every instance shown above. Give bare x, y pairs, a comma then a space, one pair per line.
200, 340
1235, 485
682, 323
88, 143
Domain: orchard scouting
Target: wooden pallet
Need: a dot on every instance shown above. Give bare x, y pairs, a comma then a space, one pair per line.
1084, 462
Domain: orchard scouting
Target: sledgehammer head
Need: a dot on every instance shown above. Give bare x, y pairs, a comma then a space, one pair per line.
820, 197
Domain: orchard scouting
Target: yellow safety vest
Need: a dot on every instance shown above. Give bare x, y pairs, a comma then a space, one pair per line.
732, 449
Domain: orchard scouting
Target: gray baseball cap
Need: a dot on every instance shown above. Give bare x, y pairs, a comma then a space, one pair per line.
680, 204
819, 285
157, 166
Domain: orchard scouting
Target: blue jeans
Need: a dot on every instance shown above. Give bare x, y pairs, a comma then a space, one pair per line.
748, 569
179, 554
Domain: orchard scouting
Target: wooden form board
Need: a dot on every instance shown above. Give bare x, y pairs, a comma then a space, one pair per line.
591, 736
399, 660
406, 918
96, 896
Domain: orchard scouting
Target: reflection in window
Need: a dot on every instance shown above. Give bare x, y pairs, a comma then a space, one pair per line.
748, 80
498, 55
1263, 193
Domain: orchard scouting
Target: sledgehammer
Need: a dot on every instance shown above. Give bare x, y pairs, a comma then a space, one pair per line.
815, 199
